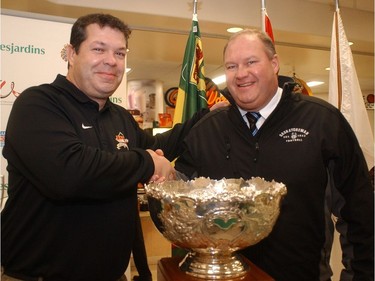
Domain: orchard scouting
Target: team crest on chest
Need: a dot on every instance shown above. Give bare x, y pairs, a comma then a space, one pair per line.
122, 142
294, 134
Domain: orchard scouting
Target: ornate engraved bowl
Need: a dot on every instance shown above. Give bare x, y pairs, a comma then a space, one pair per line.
213, 219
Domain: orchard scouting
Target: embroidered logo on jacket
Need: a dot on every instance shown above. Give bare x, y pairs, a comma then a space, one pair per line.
85, 127
122, 141
294, 134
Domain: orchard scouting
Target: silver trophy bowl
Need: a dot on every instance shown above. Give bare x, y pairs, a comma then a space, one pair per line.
213, 219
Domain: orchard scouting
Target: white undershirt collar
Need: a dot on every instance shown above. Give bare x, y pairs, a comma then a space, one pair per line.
265, 111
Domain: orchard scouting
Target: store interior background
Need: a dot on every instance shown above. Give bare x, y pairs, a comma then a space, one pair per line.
302, 31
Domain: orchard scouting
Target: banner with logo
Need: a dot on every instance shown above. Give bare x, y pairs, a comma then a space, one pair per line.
30, 55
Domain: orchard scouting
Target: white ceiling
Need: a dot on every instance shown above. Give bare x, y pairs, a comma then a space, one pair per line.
302, 31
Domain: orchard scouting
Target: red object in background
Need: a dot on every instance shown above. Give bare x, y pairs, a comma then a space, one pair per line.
165, 120
268, 27
370, 98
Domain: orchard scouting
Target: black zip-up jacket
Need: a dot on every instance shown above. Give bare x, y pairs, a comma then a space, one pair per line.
73, 175
309, 146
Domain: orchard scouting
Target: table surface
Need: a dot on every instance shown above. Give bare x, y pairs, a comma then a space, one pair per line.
168, 270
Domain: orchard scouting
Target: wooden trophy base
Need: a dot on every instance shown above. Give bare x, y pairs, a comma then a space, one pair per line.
168, 270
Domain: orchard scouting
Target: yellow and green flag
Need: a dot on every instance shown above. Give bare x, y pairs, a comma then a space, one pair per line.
191, 95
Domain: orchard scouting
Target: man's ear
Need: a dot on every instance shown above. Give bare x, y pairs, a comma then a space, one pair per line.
275, 63
70, 54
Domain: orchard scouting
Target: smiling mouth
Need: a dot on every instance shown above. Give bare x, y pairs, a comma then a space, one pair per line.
245, 84
107, 73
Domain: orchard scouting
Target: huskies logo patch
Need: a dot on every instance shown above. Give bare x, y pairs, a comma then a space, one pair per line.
122, 142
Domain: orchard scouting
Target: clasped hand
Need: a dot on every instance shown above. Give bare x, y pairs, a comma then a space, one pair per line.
163, 168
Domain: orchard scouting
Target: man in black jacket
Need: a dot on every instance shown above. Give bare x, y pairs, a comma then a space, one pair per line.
298, 140
74, 162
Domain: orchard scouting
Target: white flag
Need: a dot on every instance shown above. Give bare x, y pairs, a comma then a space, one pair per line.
345, 92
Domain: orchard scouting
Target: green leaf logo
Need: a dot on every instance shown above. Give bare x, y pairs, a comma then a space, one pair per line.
225, 224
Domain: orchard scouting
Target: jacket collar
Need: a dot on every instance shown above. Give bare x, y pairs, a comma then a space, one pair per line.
70, 89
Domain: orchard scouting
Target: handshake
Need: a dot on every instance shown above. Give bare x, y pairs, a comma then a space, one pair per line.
163, 168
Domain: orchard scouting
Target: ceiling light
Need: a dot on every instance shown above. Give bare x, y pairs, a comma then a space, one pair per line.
234, 29
314, 83
219, 80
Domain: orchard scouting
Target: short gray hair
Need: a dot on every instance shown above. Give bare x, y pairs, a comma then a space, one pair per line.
266, 40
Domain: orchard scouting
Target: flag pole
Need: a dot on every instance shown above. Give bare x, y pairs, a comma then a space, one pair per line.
263, 11
338, 59
195, 2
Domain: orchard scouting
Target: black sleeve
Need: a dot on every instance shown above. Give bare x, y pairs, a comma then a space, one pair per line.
42, 144
171, 141
353, 204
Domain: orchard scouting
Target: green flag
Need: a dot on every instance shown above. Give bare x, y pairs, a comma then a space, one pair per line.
191, 95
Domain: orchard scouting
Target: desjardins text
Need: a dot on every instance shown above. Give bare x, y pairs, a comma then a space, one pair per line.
29, 49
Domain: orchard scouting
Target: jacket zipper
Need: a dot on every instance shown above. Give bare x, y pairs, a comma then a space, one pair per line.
256, 152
